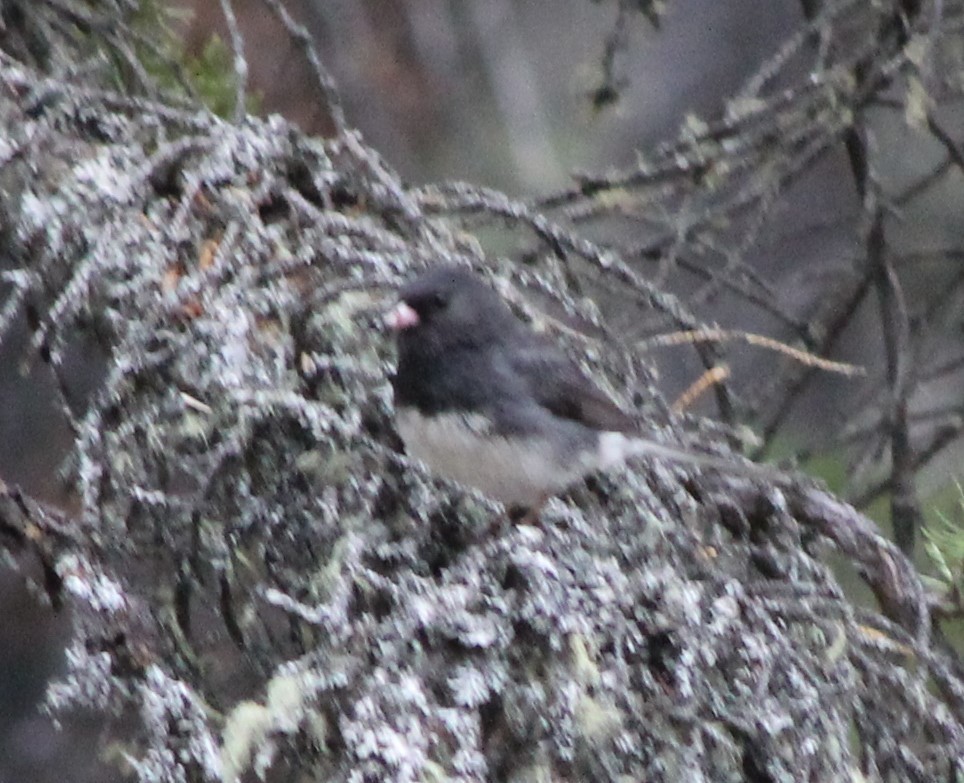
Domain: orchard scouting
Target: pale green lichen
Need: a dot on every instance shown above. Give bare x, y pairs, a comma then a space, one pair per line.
302, 601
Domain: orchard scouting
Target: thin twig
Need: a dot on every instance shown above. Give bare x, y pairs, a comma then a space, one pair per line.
240, 63
323, 78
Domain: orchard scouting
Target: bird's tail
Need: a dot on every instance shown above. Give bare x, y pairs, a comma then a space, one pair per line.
615, 448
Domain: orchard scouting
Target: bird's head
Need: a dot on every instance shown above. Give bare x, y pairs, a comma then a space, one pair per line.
446, 307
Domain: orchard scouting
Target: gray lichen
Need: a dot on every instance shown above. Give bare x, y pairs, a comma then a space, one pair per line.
265, 581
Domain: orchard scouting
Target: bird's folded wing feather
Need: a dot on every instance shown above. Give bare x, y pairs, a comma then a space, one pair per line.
560, 386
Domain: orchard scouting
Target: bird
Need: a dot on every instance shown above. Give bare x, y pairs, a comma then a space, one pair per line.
483, 399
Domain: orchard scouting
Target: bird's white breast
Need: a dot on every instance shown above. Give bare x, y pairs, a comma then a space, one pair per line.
514, 470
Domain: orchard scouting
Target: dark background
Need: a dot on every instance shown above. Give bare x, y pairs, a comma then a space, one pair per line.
496, 93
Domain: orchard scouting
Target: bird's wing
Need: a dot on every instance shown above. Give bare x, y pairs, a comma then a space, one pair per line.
559, 386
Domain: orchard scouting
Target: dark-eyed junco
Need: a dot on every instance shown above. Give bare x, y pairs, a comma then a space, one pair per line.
483, 399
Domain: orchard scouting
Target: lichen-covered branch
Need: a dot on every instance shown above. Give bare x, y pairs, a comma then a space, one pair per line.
260, 579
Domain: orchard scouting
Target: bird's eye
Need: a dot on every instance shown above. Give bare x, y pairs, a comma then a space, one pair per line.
429, 303
432, 303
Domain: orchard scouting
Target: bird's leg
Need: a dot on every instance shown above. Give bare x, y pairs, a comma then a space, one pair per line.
531, 514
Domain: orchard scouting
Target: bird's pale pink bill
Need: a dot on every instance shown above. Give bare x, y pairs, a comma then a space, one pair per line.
400, 317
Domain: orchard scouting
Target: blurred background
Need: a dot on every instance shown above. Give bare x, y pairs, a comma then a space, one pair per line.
519, 96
